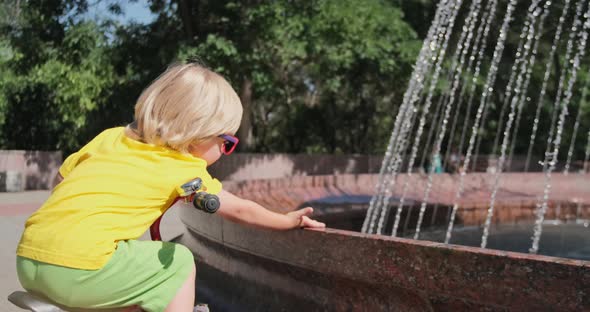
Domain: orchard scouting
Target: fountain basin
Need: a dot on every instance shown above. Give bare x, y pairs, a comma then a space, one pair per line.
244, 268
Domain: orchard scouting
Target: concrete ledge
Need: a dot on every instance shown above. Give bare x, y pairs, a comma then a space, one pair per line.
342, 270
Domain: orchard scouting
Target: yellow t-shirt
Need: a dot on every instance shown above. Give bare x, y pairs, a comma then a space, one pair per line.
114, 188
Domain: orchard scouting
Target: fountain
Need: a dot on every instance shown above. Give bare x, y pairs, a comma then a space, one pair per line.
516, 95
494, 232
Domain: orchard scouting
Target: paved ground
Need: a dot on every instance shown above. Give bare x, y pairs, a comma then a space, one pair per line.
15, 208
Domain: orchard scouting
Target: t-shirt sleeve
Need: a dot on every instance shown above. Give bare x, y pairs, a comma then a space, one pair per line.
75, 158
213, 185
209, 184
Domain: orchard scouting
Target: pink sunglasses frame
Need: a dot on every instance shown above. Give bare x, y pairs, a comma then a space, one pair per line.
231, 139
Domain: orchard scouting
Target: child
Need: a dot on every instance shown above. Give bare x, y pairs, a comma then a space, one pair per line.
80, 249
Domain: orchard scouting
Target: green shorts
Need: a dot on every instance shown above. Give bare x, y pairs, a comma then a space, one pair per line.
143, 273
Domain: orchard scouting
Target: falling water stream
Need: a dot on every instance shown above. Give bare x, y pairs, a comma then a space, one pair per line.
548, 67
513, 106
570, 151
470, 70
457, 66
435, 51
556, 144
430, 47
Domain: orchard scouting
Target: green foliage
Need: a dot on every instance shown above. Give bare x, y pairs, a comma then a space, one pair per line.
320, 76
315, 59
361, 58
51, 82
311, 67
215, 48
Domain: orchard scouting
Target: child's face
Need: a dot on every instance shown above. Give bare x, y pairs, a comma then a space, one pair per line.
209, 150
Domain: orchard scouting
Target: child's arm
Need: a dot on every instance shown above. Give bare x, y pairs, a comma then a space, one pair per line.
248, 212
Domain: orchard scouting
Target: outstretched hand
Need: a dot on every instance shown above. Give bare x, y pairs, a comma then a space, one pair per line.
302, 220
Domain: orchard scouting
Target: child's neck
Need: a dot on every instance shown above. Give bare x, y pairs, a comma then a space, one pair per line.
132, 133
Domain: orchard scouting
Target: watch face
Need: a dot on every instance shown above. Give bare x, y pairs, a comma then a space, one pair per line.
190, 187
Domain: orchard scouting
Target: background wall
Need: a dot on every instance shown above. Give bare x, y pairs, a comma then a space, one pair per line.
246, 166
37, 168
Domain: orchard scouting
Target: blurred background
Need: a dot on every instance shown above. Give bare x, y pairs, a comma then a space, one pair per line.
315, 77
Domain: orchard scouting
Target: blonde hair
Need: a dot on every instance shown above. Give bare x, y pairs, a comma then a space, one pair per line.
187, 104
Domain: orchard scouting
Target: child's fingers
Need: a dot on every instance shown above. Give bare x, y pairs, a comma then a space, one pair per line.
304, 211
303, 220
308, 222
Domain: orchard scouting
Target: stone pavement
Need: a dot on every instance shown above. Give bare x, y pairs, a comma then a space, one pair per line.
15, 208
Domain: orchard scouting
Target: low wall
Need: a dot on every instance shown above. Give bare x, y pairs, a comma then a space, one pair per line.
270, 166
37, 168
246, 166
336, 270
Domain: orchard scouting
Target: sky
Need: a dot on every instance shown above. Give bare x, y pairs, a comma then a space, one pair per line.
137, 11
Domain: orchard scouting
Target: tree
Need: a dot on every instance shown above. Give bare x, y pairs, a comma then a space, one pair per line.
290, 60
56, 74
359, 58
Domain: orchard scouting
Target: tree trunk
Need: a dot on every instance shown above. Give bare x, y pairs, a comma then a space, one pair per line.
184, 12
245, 131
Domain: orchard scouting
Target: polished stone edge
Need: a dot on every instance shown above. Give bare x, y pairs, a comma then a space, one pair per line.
424, 273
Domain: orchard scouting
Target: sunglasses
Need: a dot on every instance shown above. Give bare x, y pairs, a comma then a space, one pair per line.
230, 143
